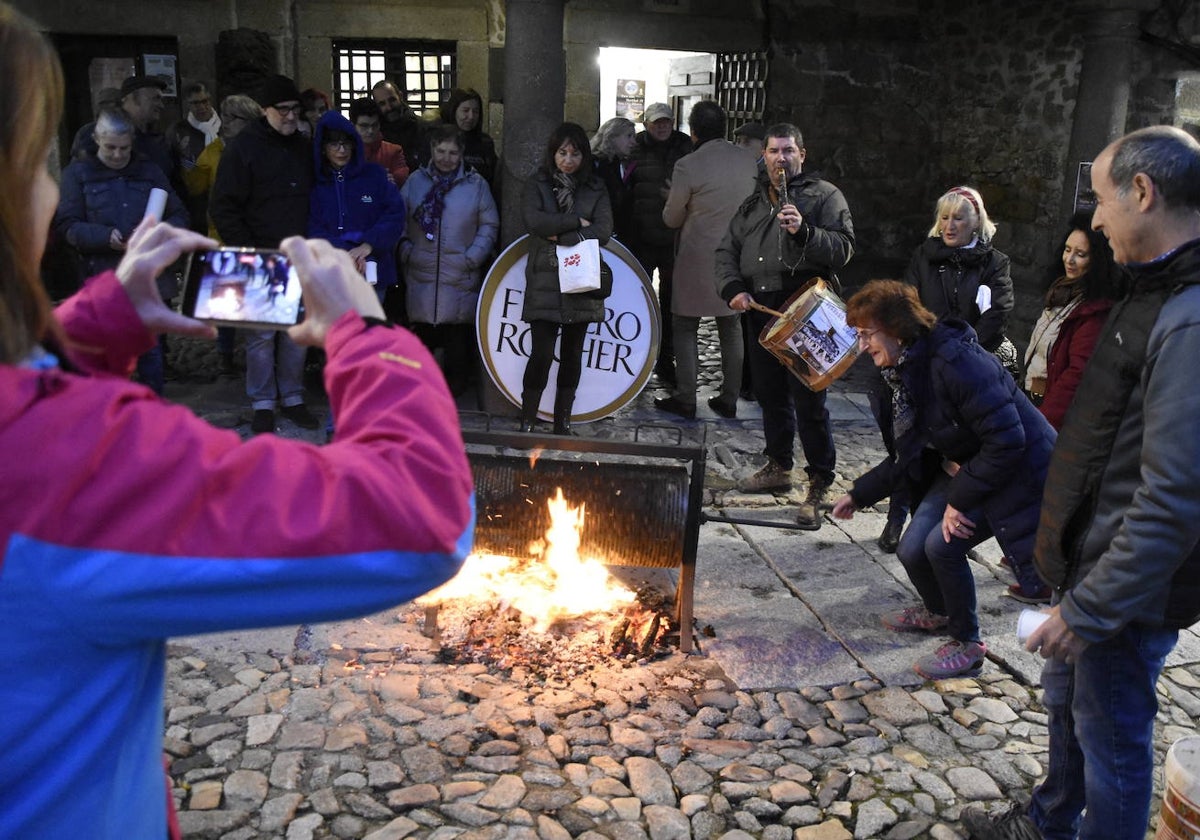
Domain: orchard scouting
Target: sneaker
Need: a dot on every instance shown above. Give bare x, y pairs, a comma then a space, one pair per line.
770, 478
808, 515
953, 659
915, 618
1014, 824
263, 422
674, 405
723, 409
301, 416
889, 537
1041, 595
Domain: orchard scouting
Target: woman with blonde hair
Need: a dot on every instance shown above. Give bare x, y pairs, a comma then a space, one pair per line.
137, 520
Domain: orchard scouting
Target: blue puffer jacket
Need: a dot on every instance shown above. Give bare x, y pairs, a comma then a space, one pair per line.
970, 411
356, 205
96, 199
443, 274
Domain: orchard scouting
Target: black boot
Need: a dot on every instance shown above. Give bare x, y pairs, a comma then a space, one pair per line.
563, 403
529, 409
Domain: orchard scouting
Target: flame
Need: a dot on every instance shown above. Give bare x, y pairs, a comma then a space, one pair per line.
534, 454
557, 584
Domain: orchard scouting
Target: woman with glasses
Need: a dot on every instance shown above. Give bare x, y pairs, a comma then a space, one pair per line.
970, 448
236, 112
354, 203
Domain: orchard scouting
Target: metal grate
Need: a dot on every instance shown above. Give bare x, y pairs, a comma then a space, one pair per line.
642, 500
428, 70
742, 87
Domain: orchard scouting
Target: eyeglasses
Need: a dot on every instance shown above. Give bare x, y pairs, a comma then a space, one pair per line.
285, 110
865, 335
341, 145
194, 103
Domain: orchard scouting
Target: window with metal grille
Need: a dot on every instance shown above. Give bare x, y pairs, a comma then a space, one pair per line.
742, 87
427, 70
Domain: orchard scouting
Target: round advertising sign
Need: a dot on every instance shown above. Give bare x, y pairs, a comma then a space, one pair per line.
618, 354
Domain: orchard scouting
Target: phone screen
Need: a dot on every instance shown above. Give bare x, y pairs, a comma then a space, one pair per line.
243, 287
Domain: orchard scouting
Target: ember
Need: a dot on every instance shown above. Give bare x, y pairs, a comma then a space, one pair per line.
551, 613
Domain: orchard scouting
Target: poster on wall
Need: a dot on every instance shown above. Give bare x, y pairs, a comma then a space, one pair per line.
631, 98
1085, 197
162, 66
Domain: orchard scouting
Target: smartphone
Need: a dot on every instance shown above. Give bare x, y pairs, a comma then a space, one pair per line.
243, 287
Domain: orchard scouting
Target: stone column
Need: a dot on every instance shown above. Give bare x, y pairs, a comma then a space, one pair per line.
1102, 101
535, 86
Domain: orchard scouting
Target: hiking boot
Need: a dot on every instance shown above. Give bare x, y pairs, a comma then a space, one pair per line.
953, 659
916, 619
1041, 595
889, 537
770, 478
808, 516
1014, 824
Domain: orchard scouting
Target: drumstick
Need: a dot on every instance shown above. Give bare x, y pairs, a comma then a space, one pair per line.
767, 309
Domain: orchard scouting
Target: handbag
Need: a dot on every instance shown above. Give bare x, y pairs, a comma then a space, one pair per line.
579, 267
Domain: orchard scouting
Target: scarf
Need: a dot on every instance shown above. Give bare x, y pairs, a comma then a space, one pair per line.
209, 128
564, 191
429, 212
903, 414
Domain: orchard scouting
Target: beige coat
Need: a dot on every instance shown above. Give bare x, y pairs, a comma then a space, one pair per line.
707, 187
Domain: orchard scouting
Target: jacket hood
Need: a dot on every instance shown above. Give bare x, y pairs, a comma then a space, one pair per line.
333, 120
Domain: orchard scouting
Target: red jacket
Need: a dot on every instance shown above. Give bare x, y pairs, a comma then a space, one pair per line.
390, 157
1068, 355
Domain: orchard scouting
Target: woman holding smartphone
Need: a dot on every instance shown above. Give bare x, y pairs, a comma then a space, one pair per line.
137, 520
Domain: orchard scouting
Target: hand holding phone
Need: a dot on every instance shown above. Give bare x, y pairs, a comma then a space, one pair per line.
332, 287
243, 287
150, 249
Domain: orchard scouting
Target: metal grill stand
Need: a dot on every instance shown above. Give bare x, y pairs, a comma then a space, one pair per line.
643, 499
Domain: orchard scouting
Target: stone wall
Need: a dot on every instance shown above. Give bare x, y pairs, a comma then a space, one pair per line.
899, 102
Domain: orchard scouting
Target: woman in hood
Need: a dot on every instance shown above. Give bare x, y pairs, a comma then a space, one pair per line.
354, 204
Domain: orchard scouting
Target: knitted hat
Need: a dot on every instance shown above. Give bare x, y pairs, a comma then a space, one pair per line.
276, 89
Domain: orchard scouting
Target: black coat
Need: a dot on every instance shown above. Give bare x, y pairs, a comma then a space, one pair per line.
948, 281
260, 195
653, 164
970, 411
543, 300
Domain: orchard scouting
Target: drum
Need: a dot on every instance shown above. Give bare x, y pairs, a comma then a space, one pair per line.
811, 337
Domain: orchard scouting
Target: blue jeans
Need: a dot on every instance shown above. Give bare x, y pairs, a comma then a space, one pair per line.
274, 369
938, 569
1101, 738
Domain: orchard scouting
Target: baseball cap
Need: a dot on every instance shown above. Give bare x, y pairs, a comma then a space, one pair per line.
657, 111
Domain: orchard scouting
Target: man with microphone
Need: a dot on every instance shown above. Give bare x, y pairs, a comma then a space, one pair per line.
795, 227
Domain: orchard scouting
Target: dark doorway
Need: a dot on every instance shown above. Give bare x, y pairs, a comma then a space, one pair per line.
92, 63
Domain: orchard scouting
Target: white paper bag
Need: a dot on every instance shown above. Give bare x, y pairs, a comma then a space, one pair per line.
579, 267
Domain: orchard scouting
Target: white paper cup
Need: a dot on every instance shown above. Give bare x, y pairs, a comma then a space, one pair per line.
1028, 621
157, 204
372, 271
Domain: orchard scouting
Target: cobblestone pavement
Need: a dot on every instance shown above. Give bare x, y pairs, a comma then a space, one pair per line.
798, 717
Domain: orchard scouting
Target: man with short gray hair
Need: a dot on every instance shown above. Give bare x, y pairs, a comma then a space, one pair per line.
103, 198
1119, 536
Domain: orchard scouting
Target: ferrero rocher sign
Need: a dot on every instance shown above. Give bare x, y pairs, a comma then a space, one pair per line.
618, 354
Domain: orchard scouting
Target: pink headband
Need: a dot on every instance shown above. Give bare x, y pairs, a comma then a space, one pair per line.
966, 193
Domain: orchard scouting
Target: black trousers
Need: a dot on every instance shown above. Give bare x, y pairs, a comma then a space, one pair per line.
541, 355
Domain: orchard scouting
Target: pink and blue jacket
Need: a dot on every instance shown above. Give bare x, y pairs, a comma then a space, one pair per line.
125, 520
